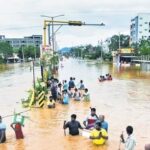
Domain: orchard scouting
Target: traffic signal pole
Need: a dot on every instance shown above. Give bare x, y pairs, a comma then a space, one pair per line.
61, 23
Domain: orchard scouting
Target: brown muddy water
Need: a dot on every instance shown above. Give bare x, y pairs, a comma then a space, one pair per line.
124, 101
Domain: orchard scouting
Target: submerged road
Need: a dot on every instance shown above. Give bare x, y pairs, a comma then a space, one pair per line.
124, 101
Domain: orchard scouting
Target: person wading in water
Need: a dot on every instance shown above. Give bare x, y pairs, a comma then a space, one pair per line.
73, 125
2, 131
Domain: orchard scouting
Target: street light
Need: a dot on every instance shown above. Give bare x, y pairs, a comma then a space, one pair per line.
52, 18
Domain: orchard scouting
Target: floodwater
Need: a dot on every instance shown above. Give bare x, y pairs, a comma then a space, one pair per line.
124, 101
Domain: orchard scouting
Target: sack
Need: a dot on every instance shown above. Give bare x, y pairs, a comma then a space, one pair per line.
19, 119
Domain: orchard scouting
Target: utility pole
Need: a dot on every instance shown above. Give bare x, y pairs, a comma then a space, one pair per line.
101, 48
35, 52
53, 42
101, 51
49, 34
33, 73
22, 53
118, 61
119, 41
52, 21
100, 43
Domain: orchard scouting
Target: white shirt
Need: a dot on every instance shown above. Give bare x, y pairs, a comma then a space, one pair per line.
2, 126
130, 143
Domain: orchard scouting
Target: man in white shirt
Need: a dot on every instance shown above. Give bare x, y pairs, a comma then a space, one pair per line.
91, 119
130, 141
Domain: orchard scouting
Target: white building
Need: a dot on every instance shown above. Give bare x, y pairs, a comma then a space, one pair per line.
140, 27
34, 40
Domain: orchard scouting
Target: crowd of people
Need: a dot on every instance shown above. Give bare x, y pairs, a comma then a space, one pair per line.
96, 125
107, 77
65, 91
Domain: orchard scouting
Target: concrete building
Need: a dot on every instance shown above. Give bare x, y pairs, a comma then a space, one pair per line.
140, 27
35, 40
2, 37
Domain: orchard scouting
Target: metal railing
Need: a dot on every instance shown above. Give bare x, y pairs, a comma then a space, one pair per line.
142, 58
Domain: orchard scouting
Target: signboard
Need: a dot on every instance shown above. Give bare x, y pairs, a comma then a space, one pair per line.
126, 50
18, 119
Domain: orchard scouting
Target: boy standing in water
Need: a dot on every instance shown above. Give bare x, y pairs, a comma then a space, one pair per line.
2, 131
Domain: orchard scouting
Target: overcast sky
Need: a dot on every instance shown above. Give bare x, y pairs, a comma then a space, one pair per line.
20, 18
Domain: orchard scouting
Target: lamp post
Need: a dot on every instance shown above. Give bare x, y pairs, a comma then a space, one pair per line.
52, 18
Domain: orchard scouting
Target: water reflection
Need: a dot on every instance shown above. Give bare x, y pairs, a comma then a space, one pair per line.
125, 100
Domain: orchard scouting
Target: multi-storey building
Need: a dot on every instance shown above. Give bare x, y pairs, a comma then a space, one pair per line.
140, 27
35, 40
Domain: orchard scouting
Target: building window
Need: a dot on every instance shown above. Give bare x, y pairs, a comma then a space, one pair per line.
145, 29
140, 31
140, 25
146, 22
141, 18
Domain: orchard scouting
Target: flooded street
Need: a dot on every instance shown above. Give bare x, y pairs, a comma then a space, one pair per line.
124, 101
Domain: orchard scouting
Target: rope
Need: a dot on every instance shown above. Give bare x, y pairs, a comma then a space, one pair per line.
16, 113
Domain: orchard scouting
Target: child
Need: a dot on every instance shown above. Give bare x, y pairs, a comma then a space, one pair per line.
86, 95
77, 95
50, 102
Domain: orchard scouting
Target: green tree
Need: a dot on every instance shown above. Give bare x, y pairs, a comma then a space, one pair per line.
6, 49
29, 51
144, 47
114, 42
